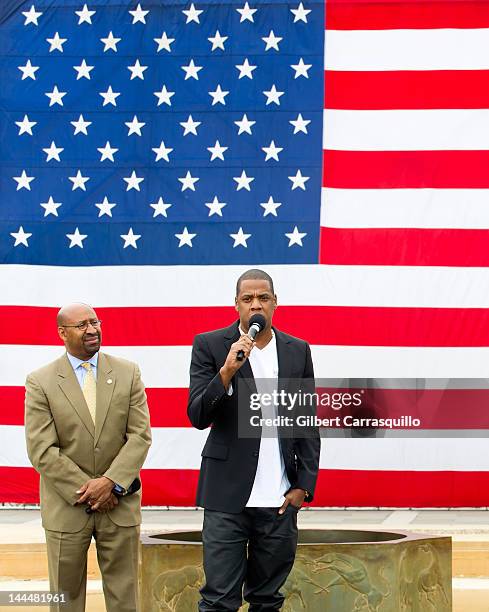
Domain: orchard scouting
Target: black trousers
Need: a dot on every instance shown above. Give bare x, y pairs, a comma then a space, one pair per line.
255, 549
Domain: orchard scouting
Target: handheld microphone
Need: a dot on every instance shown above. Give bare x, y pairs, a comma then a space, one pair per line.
255, 325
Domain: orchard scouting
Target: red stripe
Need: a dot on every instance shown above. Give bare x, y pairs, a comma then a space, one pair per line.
19, 485
416, 89
436, 408
168, 407
319, 325
418, 14
334, 488
12, 402
404, 247
169, 487
405, 169
401, 488
122, 326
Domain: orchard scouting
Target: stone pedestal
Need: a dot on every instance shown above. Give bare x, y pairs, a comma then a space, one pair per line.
335, 570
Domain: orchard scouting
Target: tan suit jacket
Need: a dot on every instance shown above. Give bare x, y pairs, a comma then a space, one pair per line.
67, 449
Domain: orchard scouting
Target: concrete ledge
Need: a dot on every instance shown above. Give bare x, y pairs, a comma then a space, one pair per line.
29, 562
469, 594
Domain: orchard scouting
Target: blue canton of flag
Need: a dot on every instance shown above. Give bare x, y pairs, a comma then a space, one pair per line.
155, 133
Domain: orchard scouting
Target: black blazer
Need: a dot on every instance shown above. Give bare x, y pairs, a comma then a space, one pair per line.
229, 462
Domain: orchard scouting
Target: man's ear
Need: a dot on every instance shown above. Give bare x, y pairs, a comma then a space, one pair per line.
62, 333
236, 304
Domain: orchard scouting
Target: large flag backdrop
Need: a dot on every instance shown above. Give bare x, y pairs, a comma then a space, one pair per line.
151, 152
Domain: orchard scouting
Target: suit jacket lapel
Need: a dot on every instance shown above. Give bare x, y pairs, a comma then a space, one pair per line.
71, 388
284, 372
246, 373
231, 334
284, 359
284, 364
106, 381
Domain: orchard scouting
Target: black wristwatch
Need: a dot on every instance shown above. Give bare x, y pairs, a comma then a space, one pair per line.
118, 491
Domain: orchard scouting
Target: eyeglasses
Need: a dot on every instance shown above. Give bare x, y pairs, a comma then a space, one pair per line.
84, 325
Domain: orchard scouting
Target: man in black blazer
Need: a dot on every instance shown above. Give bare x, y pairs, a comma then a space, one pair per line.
251, 486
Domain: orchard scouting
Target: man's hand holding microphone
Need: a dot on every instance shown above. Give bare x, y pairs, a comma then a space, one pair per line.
241, 349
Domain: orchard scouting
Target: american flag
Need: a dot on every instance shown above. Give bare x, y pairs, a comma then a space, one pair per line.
151, 152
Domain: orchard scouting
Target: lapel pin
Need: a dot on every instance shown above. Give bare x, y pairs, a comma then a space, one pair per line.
109, 381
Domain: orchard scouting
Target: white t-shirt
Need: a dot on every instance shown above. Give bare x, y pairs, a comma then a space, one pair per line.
271, 480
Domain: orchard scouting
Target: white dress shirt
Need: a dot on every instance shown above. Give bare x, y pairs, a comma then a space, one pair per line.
271, 480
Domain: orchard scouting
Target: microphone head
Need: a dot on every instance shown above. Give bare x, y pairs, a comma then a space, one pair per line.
257, 319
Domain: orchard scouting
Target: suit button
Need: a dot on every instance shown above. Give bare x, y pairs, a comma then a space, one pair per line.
97, 449
255, 453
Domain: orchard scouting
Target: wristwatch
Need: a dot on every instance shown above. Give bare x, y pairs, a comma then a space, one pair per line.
118, 491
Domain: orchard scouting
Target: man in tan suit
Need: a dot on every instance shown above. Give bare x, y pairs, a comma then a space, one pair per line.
88, 434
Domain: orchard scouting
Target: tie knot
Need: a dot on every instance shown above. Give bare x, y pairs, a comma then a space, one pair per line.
87, 365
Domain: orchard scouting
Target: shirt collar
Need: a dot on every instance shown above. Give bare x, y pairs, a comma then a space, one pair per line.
75, 362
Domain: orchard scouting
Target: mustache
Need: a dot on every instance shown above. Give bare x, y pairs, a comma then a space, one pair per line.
90, 336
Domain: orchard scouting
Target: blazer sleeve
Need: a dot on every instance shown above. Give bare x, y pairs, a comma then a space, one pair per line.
308, 445
206, 388
126, 465
43, 446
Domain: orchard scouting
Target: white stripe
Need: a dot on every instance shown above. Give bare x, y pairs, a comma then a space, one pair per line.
430, 49
175, 448
169, 366
406, 130
414, 208
311, 285
405, 453
399, 362
180, 448
161, 366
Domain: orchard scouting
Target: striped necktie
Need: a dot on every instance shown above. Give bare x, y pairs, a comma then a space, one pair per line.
90, 389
